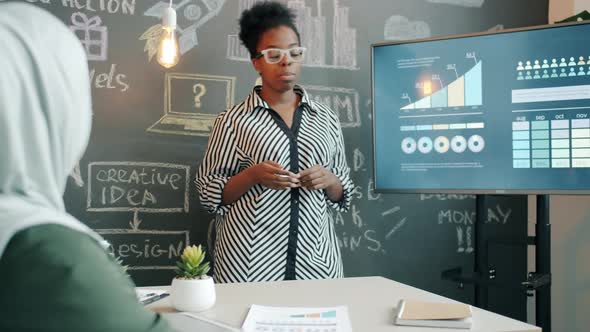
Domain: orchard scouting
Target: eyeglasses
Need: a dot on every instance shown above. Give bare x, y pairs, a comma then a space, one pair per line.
275, 55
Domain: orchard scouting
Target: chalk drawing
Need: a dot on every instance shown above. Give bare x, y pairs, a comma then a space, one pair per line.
314, 35
137, 176
92, 34
401, 28
191, 15
345, 102
188, 109
130, 243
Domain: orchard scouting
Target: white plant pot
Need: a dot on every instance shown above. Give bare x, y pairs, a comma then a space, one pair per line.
193, 294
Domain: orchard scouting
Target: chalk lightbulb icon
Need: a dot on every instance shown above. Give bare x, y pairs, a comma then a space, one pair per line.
168, 50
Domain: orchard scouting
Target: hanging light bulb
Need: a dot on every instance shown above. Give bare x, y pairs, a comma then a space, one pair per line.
168, 50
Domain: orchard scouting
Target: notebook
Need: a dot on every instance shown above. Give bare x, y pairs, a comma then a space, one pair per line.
433, 314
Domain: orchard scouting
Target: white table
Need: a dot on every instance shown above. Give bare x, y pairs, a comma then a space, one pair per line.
371, 303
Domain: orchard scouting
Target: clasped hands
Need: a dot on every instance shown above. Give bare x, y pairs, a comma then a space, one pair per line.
272, 175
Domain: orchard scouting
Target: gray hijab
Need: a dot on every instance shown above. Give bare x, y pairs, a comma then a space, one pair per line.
45, 118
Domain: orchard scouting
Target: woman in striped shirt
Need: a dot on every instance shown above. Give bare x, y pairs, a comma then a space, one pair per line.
273, 165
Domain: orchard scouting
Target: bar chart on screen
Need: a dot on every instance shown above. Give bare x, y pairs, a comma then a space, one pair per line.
465, 90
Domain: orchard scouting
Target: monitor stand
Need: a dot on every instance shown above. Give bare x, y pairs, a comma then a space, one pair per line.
538, 283
540, 280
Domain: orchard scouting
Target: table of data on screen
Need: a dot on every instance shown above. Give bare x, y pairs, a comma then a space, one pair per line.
555, 143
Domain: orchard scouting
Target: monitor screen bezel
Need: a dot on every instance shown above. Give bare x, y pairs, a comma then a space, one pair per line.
496, 191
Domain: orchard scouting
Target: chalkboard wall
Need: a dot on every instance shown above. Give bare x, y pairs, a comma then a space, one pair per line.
135, 184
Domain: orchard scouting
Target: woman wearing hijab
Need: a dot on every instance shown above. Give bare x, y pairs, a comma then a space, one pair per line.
54, 274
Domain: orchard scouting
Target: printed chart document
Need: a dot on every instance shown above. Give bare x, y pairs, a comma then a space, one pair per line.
433, 314
286, 319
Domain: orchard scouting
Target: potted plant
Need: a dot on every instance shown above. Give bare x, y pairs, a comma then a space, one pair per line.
192, 289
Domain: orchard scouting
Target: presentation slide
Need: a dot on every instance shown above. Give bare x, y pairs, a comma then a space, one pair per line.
503, 112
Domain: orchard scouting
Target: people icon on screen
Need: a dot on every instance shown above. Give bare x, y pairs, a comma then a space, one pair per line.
526, 68
572, 62
572, 72
563, 73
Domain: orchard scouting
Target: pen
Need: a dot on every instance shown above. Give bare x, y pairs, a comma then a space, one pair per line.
154, 298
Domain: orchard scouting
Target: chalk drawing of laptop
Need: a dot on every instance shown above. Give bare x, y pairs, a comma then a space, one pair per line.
192, 102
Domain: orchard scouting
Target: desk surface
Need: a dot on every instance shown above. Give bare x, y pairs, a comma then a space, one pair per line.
371, 303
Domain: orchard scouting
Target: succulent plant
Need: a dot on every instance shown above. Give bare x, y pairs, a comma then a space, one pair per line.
192, 264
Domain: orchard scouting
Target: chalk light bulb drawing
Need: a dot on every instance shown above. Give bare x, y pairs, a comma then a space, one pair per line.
168, 50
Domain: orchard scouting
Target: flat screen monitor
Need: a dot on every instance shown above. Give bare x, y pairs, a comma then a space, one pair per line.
503, 112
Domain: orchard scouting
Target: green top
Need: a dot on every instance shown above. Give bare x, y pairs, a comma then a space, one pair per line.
56, 279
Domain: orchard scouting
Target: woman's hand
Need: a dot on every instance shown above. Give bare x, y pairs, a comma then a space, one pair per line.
272, 175
317, 177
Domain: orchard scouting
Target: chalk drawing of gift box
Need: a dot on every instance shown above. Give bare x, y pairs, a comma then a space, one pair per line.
93, 36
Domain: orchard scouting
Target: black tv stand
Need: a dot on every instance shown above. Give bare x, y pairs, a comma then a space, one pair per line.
542, 275
483, 276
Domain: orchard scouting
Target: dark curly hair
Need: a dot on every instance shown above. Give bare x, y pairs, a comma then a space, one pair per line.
262, 17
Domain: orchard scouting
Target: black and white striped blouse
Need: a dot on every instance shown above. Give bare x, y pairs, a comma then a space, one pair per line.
268, 234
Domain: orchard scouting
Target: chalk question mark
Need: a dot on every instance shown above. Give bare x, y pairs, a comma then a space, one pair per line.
201, 91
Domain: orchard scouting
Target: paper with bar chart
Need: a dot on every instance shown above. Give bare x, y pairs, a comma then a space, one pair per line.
293, 319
